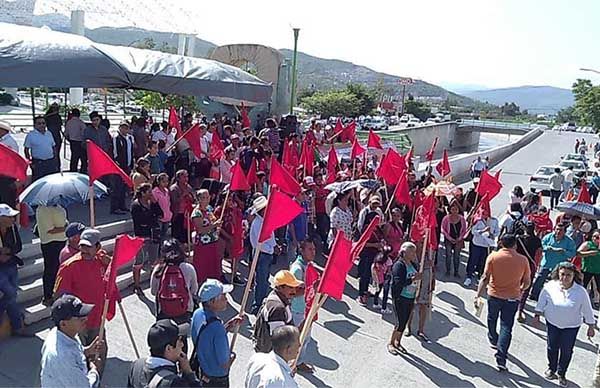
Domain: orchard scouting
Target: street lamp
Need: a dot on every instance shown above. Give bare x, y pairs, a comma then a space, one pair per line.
590, 70
294, 63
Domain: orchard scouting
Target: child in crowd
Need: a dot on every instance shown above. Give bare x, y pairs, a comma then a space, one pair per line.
382, 267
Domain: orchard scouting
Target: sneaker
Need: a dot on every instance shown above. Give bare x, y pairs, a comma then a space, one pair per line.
562, 381
468, 282
550, 375
501, 367
361, 300
494, 346
386, 311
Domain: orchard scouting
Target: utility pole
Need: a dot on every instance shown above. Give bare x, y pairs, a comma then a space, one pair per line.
294, 63
404, 81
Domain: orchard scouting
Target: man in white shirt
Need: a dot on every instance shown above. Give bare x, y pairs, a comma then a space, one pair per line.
484, 231
165, 134
40, 149
74, 133
271, 370
556, 183
568, 181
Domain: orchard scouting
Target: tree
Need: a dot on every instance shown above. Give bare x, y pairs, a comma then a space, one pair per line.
587, 102
566, 115
417, 108
511, 109
366, 97
332, 103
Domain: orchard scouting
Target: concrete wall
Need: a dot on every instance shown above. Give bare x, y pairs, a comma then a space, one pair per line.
449, 138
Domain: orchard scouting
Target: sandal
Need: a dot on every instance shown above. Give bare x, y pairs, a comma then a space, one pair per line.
401, 349
408, 333
394, 351
422, 337
521, 319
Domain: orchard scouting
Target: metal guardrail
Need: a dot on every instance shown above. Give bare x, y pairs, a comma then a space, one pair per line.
496, 124
400, 140
24, 120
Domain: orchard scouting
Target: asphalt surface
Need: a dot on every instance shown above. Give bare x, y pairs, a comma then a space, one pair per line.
350, 348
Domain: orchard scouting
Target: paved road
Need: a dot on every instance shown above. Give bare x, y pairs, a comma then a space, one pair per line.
350, 340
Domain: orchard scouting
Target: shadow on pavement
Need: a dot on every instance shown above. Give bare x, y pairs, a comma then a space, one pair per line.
438, 376
459, 305
119, 372
20, 365
341, 307
341, 328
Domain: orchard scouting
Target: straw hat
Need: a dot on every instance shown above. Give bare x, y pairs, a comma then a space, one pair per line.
258, 204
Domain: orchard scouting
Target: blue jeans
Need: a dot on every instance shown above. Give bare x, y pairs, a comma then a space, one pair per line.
560, 341
477, 256
538, 282
261, 280
506, 310
9, 280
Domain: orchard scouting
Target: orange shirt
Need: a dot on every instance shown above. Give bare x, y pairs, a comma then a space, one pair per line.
506, 270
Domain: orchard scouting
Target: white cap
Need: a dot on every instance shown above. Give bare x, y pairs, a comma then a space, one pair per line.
7, 211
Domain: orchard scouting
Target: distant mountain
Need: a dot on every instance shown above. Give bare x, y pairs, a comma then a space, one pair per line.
321, 74
536, 99
461, 88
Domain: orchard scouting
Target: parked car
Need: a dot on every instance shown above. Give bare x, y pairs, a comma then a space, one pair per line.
404, 119
571, 127
413, 122
577, 157
540, 181
579, 168
375, 123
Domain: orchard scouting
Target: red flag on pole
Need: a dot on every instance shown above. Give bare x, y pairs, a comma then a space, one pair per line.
424, 219
418, 198
349, 133
409, 156
238, 179
307, 157
374, 140
280, 211
12, 164
482, 206
431, 152
332, 163
174, 121
126, 248
357, 150
193, 136
245, 119
216, 147
100, 164
251, 177
338, 265
290, 159
391, 167
402, 192
396, 160
584, 194
488, 184
282, 178
339, 127
358, 246
311, 277
443, 167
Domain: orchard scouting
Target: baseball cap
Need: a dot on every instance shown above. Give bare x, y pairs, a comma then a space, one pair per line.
7, 211
212, 288
309, 181
89, 237
285, 278
162, 333
235, 136
74, 228
69, 306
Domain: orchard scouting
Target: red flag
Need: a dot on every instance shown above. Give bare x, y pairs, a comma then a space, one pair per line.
374, 140
290, 159
391, 167
489, 185
339, 127
396, 160
424, 219
192, 136
418, 198
402, 192
332, 163
584, 194
483, 205
307, 157
245, 119
357, 150
443, 167
358, 246
431, 152
349, 133
216, 147
238, 179
100, 164
280, 211
174, 121
338, 265
12, 164
311, 276
282, 178
409, 156
251, 177
126, 248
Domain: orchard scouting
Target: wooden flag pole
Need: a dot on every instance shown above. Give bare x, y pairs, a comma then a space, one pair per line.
308, 321
423, 252
92, 209
246, 292
103, 322
390, 199
135, 349
353, 168
224, 205
167, 150
188, 224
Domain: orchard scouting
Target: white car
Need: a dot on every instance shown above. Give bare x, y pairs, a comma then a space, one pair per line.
576, 157
579, 168
540, 181
413, 122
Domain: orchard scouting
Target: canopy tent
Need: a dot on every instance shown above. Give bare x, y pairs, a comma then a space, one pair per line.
34, 57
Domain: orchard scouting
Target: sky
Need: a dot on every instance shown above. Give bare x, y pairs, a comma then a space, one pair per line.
490, 43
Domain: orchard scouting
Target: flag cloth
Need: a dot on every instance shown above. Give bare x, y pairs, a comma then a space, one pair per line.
488, 184
424, 219
238, 179
192, 136
358, 246
216, 147
290, 159
126, 248
482, 207
307, 157
251, 177
174, 121
429, 154
374, 140
402, 191
245, 119
357, 150
281, 177
280, 211
100, 164
409, 156
418, 198
338, 265
12, 164
349, 133
584, 194
391, 167
332, 164
443, 167
396, 160
339, 127
311, 277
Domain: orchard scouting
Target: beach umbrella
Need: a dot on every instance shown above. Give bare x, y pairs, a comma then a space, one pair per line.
340, 187
584, 210
61, 189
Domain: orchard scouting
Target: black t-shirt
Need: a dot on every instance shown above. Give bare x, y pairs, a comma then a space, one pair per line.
531, 245
145, 218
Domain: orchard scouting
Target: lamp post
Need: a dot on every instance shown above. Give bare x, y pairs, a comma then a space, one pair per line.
590, 70
294, 62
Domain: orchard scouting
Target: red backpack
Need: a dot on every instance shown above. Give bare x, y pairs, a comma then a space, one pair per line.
173, 295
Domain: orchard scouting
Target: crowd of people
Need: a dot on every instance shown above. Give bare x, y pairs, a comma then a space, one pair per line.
190, 224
